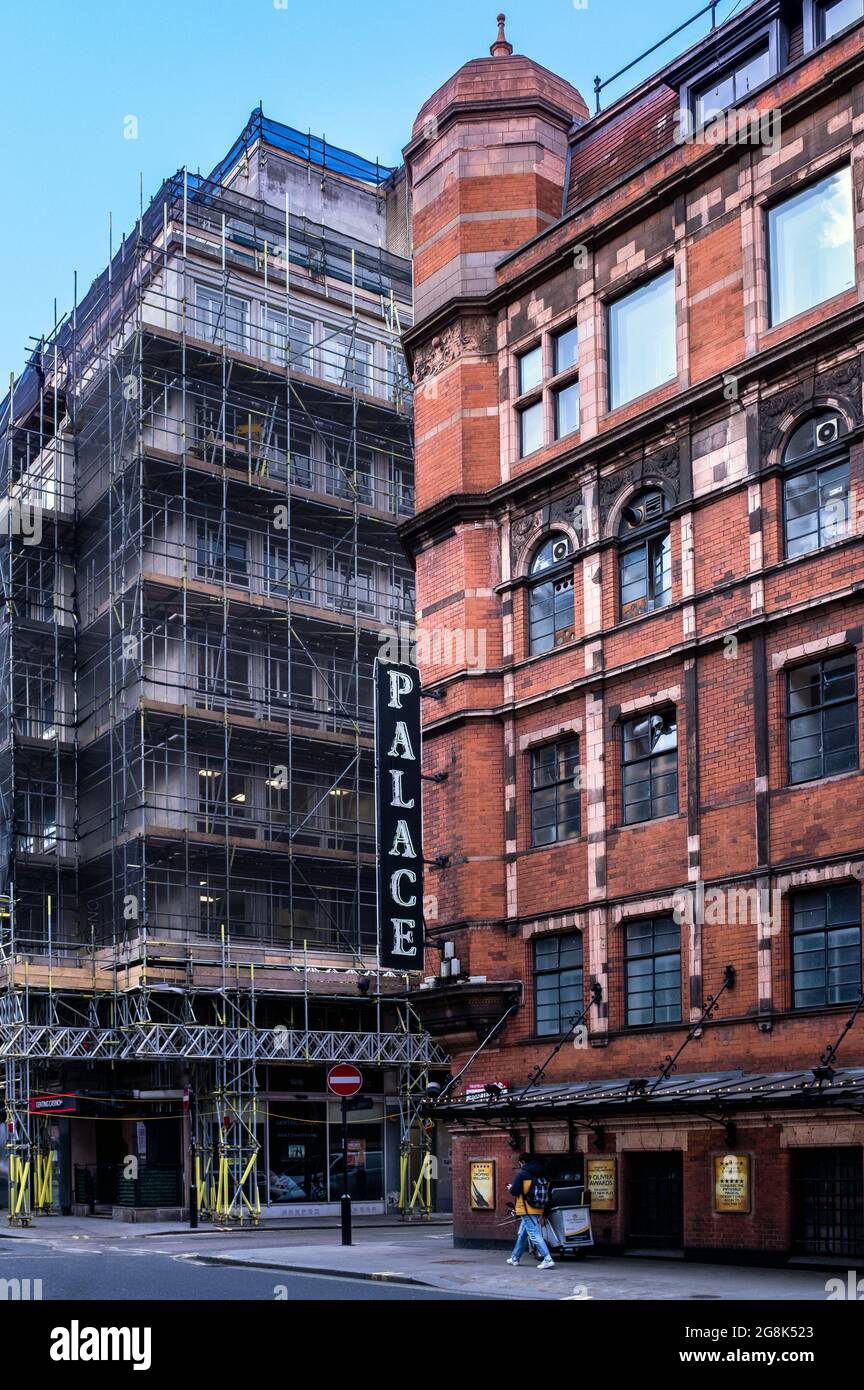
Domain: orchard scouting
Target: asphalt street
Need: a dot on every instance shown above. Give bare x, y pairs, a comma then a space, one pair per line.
76, 1269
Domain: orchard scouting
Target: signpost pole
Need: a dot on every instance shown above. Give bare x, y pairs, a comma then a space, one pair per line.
345, 1080
346, 1199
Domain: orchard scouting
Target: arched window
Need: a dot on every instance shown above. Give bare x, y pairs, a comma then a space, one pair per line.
550, 599
645, 556
816, 488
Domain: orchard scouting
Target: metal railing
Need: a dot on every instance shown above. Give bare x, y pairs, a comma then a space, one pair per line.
599, 85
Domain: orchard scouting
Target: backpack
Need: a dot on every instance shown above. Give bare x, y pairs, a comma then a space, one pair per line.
538, 1193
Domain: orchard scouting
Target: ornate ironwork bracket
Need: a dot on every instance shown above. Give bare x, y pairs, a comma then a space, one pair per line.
671, 1063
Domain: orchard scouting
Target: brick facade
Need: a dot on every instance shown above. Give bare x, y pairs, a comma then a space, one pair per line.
499, 270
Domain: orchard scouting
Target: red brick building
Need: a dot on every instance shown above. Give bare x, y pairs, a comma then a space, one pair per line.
638, 543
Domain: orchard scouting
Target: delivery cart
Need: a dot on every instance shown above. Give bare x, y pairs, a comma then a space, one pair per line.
567, 1223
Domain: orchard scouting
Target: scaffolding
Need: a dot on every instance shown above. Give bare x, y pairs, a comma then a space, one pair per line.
200, 485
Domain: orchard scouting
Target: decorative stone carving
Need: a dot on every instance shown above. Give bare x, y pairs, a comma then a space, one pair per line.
473, 336
611, 487
841, 383
663, 467
563, 511
569, 511
521, 532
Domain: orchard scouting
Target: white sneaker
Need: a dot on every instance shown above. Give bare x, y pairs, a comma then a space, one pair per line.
548, 1263
511, 1261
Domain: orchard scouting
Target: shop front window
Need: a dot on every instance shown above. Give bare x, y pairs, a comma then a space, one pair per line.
305, 1154
298, 1151
365, 1153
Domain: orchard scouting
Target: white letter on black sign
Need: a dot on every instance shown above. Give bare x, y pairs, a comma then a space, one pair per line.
396, 887
400, 684
396, 799
403, 845
401, 746
403, 936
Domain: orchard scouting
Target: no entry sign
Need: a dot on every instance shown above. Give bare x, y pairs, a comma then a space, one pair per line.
344, 1080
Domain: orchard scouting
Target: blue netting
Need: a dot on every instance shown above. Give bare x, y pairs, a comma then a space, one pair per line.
309, 147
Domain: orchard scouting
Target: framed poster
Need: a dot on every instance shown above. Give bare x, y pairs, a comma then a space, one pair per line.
601, 1181
482, 1184
732, 1182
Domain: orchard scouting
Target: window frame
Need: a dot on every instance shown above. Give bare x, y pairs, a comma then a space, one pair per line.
563, 779
521, 355
614, 302
216, 552
555, 335
653, 955
557, 393
797, 902
539, 972
220, 337
649, 758
785, 199
817, 462
820, 664
814, 25
553, 575
735, 50
724, 71
522, 411
647, 535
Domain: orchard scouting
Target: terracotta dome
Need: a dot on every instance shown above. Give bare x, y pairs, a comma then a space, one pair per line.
502, 78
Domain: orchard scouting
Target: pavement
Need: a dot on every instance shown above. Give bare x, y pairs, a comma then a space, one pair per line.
387, 1252
428, 1258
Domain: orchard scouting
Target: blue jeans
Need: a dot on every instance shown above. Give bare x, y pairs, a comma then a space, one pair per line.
529, 1226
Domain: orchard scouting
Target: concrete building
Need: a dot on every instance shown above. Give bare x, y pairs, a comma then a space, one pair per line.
637, 354
203, 468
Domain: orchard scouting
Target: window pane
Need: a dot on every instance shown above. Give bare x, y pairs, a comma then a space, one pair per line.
531, 429
566, 349
530, 370
732, 85
826, 963
567, 410
545, 766
715, 97
660, 560
836, 16
823, 719
653, 971
810, 245
844, 904
558, 982
642, 340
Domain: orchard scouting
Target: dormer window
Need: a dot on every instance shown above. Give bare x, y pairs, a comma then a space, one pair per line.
550, 601
831, 17
731, 86
741, 61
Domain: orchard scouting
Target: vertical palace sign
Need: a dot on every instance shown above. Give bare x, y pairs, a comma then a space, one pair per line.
399, 818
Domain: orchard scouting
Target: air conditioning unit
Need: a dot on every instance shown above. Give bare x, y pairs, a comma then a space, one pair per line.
828, 432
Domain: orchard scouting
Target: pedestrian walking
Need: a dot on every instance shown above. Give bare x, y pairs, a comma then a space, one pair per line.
530, 1188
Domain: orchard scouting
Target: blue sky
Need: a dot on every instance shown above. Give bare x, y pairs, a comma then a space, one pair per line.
191, 71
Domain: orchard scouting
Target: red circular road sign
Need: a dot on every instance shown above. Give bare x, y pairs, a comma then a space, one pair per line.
344, 1080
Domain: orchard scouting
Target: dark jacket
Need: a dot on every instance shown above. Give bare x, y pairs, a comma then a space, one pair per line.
521, 1186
